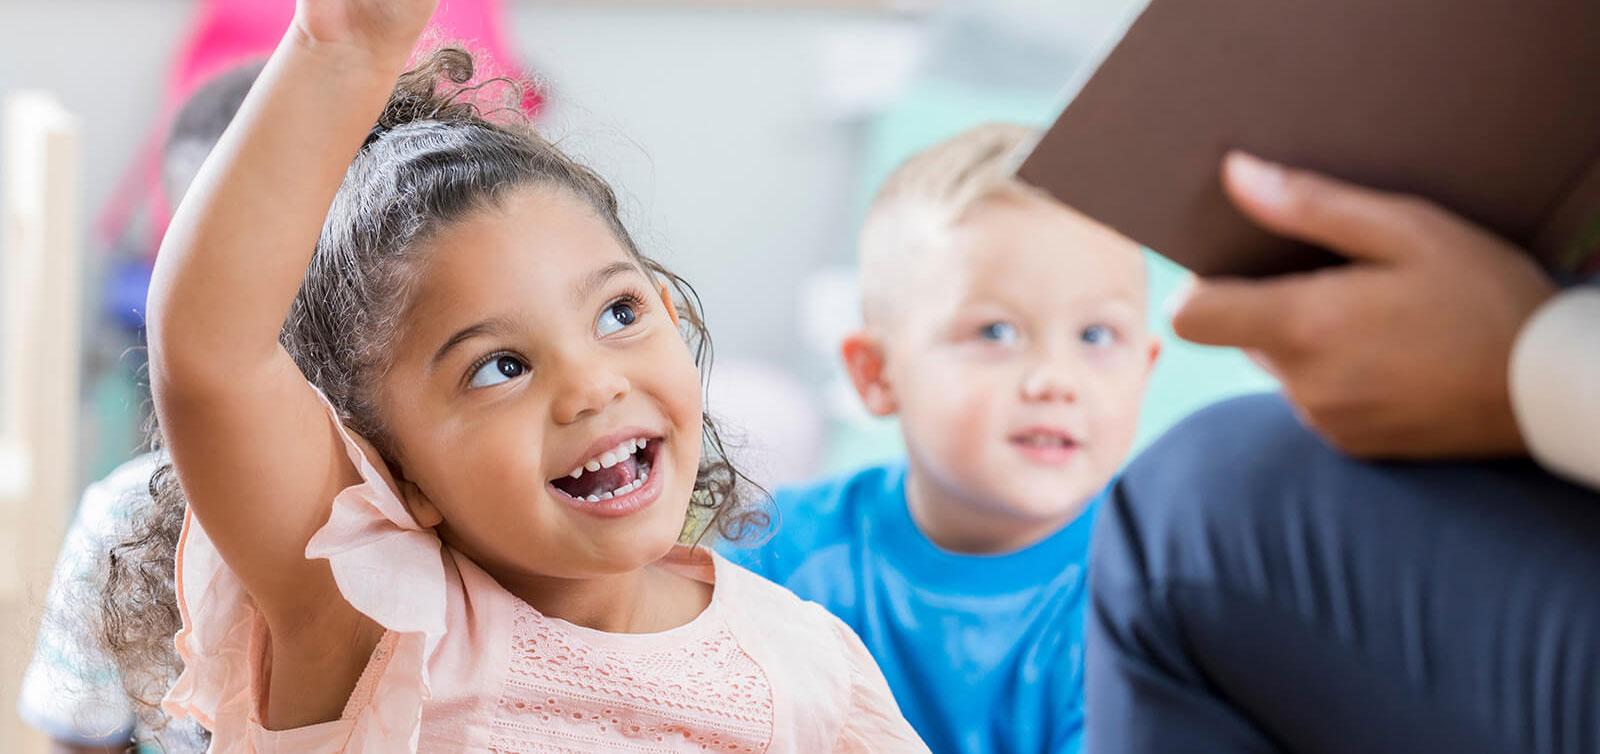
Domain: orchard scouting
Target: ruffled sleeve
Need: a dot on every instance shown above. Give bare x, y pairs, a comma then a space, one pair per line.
385, 565
873, 724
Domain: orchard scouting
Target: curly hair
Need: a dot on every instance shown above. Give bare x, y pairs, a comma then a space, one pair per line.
434, 156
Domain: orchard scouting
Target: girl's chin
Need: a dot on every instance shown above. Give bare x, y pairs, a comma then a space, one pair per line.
617, 555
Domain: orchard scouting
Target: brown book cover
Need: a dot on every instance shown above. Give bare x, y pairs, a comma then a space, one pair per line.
1489, 107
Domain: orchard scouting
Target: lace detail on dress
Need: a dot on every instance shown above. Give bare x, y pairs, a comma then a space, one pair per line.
367, 684
562, 695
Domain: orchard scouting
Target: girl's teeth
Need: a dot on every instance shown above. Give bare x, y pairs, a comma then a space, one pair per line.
610, 458
616, 455
620, 491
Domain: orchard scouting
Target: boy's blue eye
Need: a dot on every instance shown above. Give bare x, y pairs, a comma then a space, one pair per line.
616, 317
504, 368
1098, 335
999, 332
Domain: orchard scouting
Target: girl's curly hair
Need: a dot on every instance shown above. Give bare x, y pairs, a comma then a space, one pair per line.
434, 156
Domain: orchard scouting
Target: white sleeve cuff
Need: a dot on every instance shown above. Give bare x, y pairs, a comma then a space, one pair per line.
1555, 385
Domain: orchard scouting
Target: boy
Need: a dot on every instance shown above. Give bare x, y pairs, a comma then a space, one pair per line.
1007, 333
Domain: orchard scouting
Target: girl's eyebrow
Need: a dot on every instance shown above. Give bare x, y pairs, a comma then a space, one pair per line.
495, 325
599, 278
489, 326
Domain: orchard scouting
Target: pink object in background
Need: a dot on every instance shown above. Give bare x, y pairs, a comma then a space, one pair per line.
227, 33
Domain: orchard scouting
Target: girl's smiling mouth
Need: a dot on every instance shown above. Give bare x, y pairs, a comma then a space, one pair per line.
615, 481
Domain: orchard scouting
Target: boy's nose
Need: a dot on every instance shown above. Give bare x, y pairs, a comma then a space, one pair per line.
1049, 382
588, 391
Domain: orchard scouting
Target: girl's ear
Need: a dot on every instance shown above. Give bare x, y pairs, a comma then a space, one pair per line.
666, 301
416, 501
420, 506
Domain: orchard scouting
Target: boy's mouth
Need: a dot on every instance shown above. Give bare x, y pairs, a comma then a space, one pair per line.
1045, 444
615, 472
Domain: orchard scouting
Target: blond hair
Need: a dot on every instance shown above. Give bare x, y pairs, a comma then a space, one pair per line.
930, 192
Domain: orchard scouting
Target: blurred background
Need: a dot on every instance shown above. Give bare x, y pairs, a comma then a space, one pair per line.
744, 136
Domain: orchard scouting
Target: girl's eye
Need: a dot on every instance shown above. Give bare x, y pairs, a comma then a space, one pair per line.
999, 332
1098, 335
616, 317
504, 368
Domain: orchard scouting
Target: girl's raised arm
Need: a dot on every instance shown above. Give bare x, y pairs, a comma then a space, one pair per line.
257, 457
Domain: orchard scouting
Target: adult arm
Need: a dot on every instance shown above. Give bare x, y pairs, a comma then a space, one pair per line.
1555, 385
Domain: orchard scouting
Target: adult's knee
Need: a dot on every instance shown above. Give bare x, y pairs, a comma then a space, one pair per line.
1242, 488
1240, 552
1228, 468
1236, 452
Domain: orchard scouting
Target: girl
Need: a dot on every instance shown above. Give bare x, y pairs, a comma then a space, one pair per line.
434, 495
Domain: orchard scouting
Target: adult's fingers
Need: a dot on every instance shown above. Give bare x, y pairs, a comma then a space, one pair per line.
1254, 314
1358, 222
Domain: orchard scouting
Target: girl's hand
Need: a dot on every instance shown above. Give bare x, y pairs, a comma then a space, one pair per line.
387, 29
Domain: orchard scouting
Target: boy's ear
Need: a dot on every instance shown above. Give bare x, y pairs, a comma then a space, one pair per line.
1155, 354
864, 360
666, 301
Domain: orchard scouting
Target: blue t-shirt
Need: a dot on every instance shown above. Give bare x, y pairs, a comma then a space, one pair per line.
984, 652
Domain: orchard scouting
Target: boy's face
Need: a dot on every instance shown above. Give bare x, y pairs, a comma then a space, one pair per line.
1016, 355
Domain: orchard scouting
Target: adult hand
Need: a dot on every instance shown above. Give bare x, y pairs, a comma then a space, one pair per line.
1404, 352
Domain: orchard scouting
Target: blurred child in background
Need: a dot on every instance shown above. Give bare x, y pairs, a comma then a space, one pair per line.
72, 690
1007, 333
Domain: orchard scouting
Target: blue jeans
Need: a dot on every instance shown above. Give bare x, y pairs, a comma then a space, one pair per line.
1255, 591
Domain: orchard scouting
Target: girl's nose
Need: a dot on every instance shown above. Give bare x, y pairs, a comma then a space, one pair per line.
589, 391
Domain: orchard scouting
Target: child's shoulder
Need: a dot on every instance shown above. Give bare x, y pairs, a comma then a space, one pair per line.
108, 504
745, 592
775, 615
854, 493
819, 669
813, 517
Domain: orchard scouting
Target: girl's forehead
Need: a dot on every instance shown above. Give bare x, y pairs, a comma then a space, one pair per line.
534, 238
526, 261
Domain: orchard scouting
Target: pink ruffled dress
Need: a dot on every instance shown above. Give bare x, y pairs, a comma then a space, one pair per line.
465, 666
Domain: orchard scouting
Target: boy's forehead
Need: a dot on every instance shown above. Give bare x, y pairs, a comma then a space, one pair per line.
1023, 251
1044, 247
1037, 282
